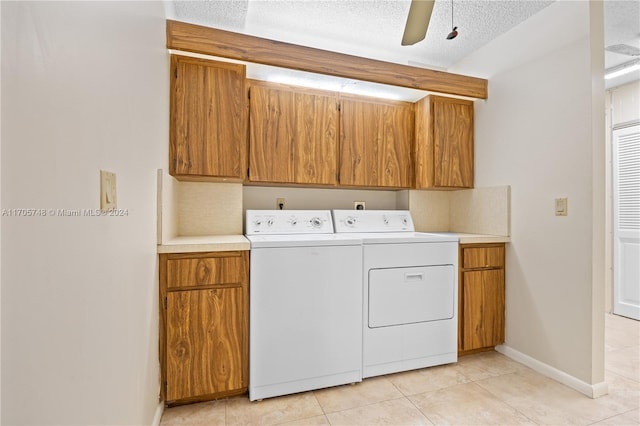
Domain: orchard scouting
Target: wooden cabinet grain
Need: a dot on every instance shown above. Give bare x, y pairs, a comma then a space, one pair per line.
208, 120
293, 135
481, 297
444, 156
203, 325
376, 140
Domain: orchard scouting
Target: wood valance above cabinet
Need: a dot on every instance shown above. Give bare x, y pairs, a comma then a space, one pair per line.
226, 44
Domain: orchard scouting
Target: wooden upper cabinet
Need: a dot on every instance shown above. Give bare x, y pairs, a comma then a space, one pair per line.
376, 138
208, 123
444, 143
293, 135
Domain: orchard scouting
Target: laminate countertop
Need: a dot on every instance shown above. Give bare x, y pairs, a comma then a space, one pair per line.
205, 243
479, 238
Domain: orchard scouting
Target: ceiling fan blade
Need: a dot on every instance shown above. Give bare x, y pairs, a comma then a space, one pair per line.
417, 21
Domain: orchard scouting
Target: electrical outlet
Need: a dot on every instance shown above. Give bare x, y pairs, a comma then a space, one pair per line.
359, 205
280, 203
107, 191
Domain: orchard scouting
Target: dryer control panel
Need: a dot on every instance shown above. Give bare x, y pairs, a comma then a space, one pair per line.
373, 221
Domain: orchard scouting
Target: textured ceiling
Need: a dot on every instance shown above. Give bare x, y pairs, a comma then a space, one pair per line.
369, 28
373, 28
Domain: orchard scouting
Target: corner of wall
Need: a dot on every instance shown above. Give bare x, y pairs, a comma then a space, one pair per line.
167, 209
598, 130
430, 210
208, 208
402, 200
481, 211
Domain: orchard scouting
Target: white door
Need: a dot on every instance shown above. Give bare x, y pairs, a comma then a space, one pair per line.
626, 222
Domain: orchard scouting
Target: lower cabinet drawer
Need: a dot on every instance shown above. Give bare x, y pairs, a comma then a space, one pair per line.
483, 257
205, 271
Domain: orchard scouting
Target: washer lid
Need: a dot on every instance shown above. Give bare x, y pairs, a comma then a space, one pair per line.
302, 240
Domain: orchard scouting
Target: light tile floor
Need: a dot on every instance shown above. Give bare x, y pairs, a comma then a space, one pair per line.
486, 388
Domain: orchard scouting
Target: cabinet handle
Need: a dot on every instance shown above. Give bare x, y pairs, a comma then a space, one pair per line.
413, 277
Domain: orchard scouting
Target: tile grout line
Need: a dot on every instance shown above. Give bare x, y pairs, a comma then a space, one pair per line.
610, 417
324, 413
405, 396
421, 412
501, 399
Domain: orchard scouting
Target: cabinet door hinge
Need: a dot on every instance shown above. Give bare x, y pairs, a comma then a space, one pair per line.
165, 303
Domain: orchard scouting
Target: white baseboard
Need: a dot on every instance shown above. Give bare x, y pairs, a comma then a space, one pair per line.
592, 391
158, 416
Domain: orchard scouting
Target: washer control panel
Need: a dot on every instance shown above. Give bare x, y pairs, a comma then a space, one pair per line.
288, 222
373, 221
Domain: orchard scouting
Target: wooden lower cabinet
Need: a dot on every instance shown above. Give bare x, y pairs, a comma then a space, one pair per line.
481, 297
204, 325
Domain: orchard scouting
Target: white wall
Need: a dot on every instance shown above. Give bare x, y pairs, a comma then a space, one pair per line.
262, 197
537, 131
84, 88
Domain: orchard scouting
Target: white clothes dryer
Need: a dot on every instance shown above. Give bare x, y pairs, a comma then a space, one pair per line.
410, 291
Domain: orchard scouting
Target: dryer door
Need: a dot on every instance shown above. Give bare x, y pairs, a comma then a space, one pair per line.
411, 295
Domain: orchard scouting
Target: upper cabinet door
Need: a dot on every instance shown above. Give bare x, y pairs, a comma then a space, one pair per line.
376, 139
444, 143
293, 135
208, 135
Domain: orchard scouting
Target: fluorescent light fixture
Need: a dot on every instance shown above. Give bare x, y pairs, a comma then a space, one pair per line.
622, 69
334, 85
304, 82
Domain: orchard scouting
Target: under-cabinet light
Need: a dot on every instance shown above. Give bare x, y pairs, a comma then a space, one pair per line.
622, 70
351, 87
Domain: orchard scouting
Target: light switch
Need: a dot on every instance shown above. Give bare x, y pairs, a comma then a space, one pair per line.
561, 206
107, 191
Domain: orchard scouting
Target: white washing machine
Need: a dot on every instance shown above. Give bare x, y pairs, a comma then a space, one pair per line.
410, 291
305, 323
